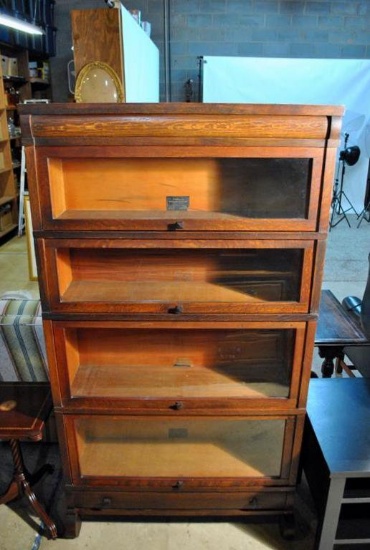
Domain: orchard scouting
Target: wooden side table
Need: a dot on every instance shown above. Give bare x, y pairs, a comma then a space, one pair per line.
23, 411
336, 329
336, 459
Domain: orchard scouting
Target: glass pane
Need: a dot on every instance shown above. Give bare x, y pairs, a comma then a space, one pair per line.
164, 447
234, 187
180, 363
258, 188
248, 276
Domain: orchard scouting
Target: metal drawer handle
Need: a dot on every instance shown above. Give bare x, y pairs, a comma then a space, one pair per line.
175, 310
253, 502
106, 502
175, 226
177, 406
178, 485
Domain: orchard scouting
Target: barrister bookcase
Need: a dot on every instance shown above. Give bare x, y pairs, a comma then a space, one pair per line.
180, 253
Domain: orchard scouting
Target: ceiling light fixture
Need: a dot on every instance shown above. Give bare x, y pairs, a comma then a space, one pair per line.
20, 24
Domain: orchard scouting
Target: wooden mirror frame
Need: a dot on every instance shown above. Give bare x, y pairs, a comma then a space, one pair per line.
89, 67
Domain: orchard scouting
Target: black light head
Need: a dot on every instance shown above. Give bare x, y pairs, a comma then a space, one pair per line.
350, 155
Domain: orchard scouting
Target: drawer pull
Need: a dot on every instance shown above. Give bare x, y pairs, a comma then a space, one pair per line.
178, 485
253, 502
175, 226
175, 310
177, 406
106, 502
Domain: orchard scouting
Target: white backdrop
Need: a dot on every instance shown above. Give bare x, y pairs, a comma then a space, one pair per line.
300, 81
141, 62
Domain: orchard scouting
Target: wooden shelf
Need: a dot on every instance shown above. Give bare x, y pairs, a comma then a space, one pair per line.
8, 230
6, 199
15, 79
151, 291
4, 171
39, 81
176, 382
8, 191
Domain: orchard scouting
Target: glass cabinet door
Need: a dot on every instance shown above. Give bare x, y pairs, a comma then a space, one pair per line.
270, 190
186, 449
180, 368
179, 277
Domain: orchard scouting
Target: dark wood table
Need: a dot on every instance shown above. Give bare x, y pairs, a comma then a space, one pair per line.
336, 459
336, 330
23, 411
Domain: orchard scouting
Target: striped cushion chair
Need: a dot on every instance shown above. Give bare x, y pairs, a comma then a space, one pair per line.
22, 346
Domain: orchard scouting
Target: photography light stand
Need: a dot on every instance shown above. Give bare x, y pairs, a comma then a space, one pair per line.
365, 213
350, 156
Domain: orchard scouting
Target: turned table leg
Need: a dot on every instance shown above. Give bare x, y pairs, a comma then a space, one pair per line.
329, 354
21, 485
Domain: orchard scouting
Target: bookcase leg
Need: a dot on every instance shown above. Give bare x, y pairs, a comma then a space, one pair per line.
72, 524
288, 526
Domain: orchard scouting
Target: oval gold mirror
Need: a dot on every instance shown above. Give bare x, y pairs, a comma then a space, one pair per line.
97, 82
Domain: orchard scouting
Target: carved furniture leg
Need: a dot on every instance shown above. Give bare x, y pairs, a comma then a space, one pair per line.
21, 485
329, 353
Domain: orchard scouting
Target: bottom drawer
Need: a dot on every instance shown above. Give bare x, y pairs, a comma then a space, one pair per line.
191, 502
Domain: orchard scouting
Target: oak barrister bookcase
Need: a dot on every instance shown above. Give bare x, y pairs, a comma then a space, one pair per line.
180, 250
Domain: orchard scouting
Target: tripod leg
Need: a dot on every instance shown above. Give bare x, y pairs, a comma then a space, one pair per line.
337, 207
361, 216
343, 216
351, 207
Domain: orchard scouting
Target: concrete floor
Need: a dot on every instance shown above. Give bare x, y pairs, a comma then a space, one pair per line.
14, 274
346, 270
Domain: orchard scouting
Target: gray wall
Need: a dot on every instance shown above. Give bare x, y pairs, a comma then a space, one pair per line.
257, 28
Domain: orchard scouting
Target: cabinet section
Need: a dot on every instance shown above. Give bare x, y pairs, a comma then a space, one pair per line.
8, 201
8, 191
39, 77
156, 167
232, 190
353, 521
178, 277
25, 75
178, 367
15, 74
195, 452
114, 37
16, 88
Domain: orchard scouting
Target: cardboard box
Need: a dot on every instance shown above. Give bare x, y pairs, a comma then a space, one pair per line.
12, 66
4, 64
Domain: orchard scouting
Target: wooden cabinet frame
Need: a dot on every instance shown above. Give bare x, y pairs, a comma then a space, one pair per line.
180, 253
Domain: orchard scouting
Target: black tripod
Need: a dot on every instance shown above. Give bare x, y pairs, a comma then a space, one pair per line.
350, 156
365, 214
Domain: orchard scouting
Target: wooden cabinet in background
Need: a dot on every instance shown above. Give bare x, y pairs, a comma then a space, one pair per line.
181, 252
20, 83
8, 187
114, 37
